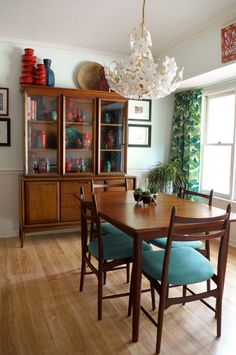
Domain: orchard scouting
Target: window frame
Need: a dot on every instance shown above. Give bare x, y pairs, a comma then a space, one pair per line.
232, 188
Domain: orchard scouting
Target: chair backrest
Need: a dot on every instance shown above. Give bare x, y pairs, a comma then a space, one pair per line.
90, 222
117, 185
192, 229
97, 186
185, 193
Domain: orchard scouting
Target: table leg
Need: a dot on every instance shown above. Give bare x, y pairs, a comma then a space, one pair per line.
136, 286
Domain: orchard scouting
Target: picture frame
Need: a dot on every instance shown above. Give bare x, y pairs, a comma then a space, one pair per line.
139, 135
4, 101
228, 38
5, 129
139, 110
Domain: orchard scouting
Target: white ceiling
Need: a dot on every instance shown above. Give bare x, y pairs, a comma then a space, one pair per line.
105, 25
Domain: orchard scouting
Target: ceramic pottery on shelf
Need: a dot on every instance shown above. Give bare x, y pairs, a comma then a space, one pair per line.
50, 77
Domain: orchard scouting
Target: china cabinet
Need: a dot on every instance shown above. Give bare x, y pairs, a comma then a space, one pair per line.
71, 136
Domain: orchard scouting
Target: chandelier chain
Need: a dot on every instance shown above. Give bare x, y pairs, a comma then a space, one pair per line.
142, 23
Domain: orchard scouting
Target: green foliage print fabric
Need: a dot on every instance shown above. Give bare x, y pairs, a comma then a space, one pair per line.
185, 140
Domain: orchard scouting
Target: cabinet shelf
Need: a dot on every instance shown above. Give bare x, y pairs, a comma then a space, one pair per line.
42, 149
41, 122
112, 124
111, 150
78, 124
77, 149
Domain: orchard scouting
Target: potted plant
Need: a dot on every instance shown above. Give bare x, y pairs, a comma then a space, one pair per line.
146, 195
167, 176
137, 194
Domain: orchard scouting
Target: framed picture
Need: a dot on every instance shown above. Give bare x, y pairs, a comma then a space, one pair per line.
139, 110
228, 40
5, 127
4, 100
139, 136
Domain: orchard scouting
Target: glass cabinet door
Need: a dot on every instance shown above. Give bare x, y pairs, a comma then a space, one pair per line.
112, 137
78, 157
42, 127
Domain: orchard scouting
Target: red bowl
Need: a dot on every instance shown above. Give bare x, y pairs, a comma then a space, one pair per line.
27, 76
41, 79
28, 63
28, 68
26, 80
29, 51
41, 66
40, 72
29, 57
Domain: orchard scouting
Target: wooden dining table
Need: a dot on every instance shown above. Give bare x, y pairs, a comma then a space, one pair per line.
144, 222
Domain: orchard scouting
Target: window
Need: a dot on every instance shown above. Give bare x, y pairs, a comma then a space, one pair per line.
218, 150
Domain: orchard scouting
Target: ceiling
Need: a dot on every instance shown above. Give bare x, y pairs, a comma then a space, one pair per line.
105, 25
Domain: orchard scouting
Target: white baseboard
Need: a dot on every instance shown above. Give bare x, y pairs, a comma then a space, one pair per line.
232, 243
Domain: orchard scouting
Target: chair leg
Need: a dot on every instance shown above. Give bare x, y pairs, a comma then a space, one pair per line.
160, 323
208, 285
82, 273
100, 285
167, 290
218, 315
130, 295
184, 293
153, 297
104, 276
22, 237
127, 272
207, 246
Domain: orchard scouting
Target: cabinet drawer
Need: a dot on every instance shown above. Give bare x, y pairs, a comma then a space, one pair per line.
69, 214
74, 186
69, 200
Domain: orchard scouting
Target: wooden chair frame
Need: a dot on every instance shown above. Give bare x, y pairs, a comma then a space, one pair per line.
117, 183
89, 215
184, 194
193, 229
106, 186
110, 184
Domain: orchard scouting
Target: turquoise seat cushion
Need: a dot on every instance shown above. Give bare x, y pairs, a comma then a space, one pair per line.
115, 247
187, 266
108, 228
161, 243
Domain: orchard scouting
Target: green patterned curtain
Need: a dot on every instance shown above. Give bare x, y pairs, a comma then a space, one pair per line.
185, 139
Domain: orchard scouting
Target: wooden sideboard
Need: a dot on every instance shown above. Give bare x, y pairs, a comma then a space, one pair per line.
49, 203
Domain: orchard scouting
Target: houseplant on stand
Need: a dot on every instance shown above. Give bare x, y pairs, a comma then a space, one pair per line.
167, 177
146, 195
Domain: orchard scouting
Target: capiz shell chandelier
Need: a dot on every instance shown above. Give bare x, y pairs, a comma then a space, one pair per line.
138, 76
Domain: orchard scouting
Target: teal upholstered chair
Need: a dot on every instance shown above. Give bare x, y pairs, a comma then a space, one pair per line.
102, 253
196, 244
185, 266
118, 184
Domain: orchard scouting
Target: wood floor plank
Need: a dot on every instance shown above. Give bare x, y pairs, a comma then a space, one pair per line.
43, 312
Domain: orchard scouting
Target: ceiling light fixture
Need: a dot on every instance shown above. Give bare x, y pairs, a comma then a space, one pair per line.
138, 76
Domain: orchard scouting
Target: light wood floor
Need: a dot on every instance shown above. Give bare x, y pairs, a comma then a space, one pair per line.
42, 311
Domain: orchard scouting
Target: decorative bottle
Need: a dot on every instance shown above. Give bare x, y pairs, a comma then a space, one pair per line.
49, 73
